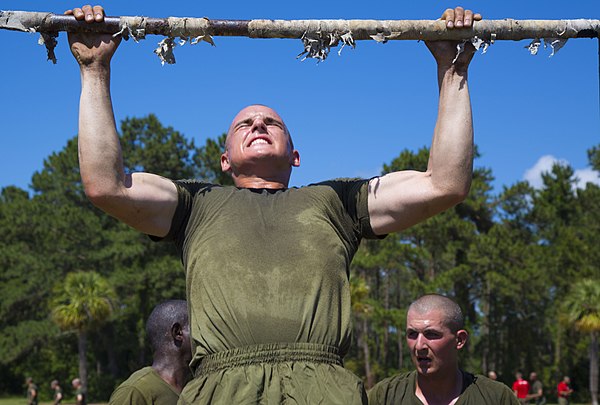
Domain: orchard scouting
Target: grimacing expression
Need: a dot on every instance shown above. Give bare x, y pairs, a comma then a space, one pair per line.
258, 133
433, 346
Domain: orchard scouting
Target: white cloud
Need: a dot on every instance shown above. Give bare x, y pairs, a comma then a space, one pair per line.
585, 176
545, 163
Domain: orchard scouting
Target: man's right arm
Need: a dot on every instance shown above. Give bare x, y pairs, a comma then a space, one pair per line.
145, 201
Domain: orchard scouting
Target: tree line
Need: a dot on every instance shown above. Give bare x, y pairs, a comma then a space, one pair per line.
77, 285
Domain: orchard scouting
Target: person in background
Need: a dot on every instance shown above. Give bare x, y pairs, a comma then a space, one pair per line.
79, 392
168, 331
536, 390
521, 388
32, 391
57, 394
435, 335
564, 391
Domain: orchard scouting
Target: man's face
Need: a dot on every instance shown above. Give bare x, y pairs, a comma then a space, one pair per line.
533, 376
258, 134
433, 347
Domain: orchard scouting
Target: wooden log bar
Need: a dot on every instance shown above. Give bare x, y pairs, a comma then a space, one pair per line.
431, 30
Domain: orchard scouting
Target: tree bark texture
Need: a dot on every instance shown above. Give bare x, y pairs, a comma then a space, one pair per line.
381, 30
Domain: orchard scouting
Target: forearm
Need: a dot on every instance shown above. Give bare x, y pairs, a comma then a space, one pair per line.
451, 157
100, 160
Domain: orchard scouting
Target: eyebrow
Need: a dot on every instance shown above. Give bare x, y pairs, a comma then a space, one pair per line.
423, 330
268, 120
246, 121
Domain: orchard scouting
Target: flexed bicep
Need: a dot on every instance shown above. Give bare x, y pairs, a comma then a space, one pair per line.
402, 199
145, 201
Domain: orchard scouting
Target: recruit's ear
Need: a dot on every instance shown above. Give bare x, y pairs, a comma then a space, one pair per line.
295, 158
177, 334
225, 165
462, 336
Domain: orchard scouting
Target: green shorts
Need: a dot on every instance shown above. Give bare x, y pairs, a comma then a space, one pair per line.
295, 373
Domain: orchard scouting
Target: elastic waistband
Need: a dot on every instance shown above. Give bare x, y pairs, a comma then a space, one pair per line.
269, 353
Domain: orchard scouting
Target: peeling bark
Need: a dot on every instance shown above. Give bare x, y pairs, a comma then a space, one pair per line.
379, 30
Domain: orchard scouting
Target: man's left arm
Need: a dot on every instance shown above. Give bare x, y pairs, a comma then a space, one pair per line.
401, 199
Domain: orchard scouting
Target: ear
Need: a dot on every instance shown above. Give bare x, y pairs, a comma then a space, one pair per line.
225, 165
295, 161
462, 336
177, 334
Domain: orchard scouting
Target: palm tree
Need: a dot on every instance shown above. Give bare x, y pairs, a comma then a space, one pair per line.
359, 294
81, 303
582, 309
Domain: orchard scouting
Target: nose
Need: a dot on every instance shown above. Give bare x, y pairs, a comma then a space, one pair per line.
259, 125
420, 343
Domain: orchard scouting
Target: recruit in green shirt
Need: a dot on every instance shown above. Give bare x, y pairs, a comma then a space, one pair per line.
144, 386
477, 390
268, 266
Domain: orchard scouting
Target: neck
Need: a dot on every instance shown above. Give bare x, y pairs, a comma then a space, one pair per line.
442, 388
261, 182
176, 375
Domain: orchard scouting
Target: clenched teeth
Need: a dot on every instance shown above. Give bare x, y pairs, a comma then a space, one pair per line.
258, 141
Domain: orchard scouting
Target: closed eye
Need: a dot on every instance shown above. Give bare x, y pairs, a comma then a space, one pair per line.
432, 335
274, 122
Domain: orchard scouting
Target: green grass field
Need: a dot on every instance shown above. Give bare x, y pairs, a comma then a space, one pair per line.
23, 401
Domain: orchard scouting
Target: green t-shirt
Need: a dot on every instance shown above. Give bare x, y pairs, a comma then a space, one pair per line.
477, 390
57, 395
535, 388
269, 266
32, 394
79, 392
144, 386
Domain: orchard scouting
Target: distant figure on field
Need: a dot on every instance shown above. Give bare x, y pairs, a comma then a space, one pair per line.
435, 334
536, 390
79, 393
32, 391
564, 391
168, 331
57, 394
492, 375
521, 388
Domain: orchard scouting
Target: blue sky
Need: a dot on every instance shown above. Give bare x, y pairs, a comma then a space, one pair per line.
348, 115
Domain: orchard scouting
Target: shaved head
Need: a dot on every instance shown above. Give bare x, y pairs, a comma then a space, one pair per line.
162, 319
453, 317
254, 107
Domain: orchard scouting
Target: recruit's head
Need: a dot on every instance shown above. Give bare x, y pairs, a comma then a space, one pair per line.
168, 330
259, 144
434, 334
54, 384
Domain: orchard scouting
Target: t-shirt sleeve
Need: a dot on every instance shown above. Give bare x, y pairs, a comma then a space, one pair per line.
354, 195
186, 192
392, 390
127, 396
507, 397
